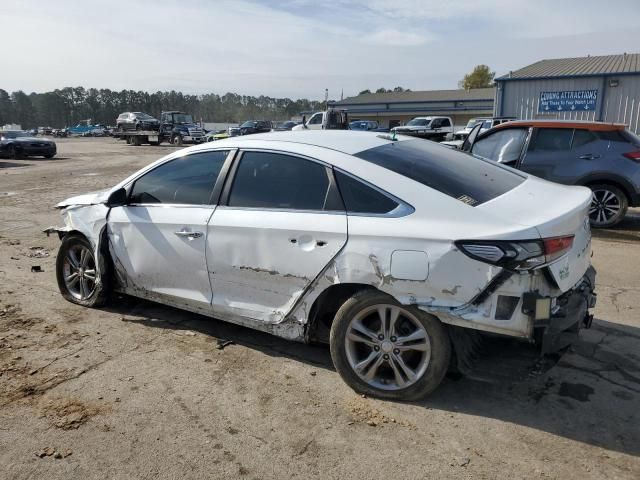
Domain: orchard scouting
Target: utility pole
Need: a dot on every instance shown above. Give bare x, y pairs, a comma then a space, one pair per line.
326, 98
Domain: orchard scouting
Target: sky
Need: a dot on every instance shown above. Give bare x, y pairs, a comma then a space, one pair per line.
296, 48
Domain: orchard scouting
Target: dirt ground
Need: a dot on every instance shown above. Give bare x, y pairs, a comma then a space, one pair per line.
138, 390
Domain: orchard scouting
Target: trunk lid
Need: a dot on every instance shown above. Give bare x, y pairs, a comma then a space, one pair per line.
554, 210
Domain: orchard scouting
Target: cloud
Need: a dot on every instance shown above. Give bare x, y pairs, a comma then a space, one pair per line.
396, 38
296, 48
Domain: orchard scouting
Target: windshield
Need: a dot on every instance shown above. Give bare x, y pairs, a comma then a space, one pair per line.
14, 134
182, 118
471, 123
456, 174
250, 123
418, 122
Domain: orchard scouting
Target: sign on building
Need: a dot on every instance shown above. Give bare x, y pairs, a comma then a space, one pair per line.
568, 101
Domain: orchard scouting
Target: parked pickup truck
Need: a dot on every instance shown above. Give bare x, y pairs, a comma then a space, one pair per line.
328, 120
431, 128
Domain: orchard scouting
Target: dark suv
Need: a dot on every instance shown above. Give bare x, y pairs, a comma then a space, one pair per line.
255, 126
137, 121
602, 156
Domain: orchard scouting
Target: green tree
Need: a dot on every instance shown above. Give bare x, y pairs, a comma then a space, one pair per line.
364, 92
480, 77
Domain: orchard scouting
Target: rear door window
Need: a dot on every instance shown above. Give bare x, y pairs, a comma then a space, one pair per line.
582, 138
274, 180
551, 139
504, 146
453, 173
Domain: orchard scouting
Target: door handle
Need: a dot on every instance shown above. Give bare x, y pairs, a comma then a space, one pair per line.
186, 233
588, 156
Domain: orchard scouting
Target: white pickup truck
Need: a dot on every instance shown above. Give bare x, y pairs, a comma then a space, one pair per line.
327, 120
432, 128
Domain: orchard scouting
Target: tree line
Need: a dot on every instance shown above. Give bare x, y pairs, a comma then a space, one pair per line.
67, 106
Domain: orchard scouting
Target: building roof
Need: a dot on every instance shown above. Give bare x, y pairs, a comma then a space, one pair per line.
420, 96
580, 66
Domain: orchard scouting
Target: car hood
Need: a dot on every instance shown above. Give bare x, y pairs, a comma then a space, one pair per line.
411, 128
92, 198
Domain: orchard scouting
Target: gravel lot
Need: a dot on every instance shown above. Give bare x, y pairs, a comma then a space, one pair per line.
138, 390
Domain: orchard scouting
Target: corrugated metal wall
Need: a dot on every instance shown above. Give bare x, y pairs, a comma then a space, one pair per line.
619, 104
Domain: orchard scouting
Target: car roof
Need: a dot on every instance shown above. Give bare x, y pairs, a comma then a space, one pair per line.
600, 126
345, 141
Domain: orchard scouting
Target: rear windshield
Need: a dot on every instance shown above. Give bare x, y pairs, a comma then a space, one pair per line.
459, 175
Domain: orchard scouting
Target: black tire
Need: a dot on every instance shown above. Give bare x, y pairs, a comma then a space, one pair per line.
609, 205
99, 293
177, 140
49, 155
437, 363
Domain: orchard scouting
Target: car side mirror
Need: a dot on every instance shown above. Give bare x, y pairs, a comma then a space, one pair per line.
117, 198
304, 121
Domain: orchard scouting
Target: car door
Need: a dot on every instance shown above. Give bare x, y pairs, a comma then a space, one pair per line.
280, 222
315, 122
158, 238
549, 155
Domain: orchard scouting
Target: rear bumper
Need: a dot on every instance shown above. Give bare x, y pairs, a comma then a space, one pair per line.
193, 139
570, 315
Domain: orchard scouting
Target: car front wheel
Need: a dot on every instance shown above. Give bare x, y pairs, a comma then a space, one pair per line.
388, 350
77, 274
609, 205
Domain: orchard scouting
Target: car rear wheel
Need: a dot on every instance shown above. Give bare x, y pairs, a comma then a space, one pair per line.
77, 274
388, 350
609, 205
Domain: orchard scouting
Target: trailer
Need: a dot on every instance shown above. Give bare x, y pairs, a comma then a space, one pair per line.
140, 137
176, 127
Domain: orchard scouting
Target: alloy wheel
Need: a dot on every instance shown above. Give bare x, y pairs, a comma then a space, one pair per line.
79, 270
605, 207
387, 347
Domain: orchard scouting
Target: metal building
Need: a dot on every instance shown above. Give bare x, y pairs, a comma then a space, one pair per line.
602, 88
396, 108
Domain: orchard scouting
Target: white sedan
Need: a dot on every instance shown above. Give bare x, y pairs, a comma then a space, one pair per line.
395, 251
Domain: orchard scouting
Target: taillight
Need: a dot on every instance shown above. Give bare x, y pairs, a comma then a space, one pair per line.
635, 155
517, 255
557, 246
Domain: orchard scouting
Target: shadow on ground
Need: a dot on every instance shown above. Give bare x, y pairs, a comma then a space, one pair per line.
589, 393
7, 164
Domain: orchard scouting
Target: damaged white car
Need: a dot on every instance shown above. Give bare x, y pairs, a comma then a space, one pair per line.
395, 251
